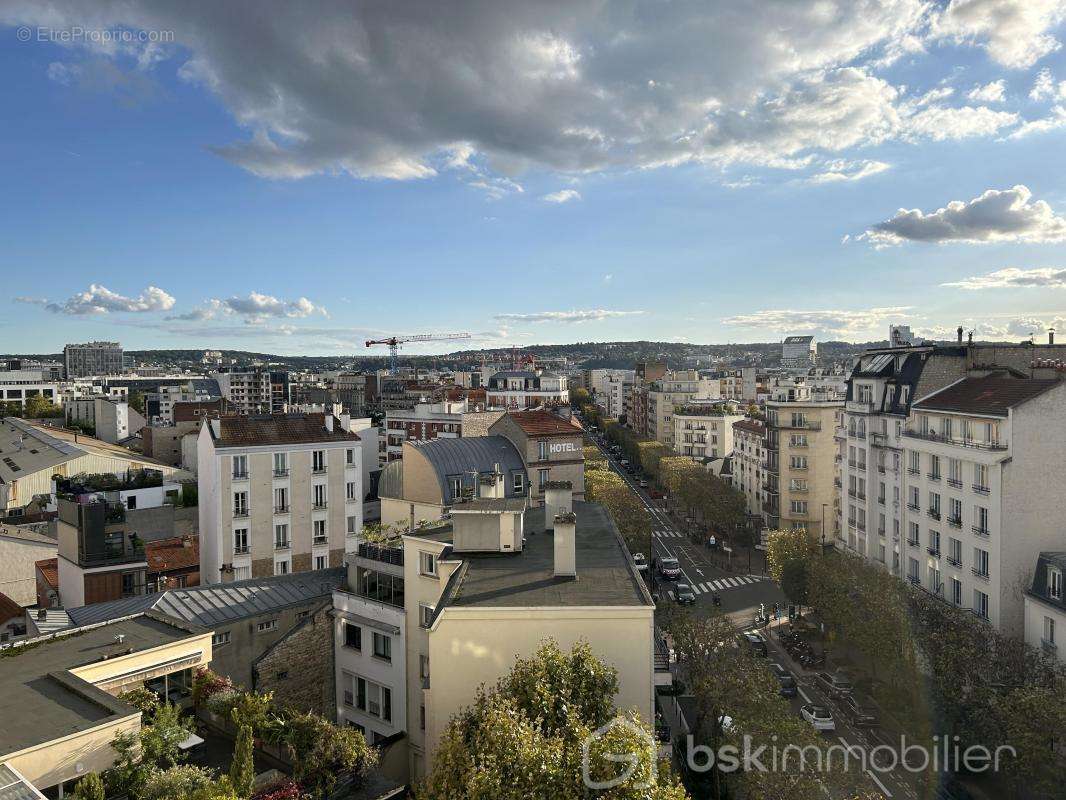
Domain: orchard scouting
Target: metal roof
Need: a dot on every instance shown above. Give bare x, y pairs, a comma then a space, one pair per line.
461, 457
220, 603
390, 484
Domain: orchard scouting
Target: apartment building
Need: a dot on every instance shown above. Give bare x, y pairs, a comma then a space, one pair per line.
800, 464
747, 473
17, 386
551, 446
524, 389
423, 423
493, 579
798, 352
159, 405
109, 418
674, 389
92, 358
279, 493
1045, 606
704, 430
254, 391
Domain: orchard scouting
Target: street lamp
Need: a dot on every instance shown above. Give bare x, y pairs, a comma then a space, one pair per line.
823, 524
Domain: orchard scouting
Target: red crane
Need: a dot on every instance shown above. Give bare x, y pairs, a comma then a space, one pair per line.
394, 343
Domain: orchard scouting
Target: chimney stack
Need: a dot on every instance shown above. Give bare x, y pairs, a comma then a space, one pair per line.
558, 499
329, 421
566, 545
959, 332
1051, 336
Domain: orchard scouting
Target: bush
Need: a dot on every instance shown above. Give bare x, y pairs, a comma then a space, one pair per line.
144, 700
176, 783
89, 788
206, 684
283, 790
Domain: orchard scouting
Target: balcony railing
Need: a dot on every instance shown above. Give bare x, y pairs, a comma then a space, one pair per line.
281, 509
914, 507
933, 476
240, 476
955, 522
112, 555
913, 543
980, 489
240, 512
955, 562
1048, 645
980, 530
285, 545
933, 551
930, 436
914, 580
320, 540
913, 471
281, 473
979, 573
859, 406
318, 470
954, 483
386, 555
318, 504
934, 513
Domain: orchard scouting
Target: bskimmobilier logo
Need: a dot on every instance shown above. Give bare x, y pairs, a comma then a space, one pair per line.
631, 758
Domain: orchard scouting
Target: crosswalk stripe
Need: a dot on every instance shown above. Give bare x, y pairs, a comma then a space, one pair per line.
670, 595
696, 590
731, 582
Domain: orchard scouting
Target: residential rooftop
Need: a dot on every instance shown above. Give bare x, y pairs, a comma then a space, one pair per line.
26, 449
544, 423
254, 430
990, 395
48, 703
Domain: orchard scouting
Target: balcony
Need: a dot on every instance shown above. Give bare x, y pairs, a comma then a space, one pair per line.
914, 543
281, 473
913, 471
914, 580
240, 476
318, 470
317, 540
377, 552
318, 505
881, 440
955, 522
930, 436
979, 573
240, 550
980, 489
933, 476
859, 407
933, 551
934, 513
955, 562
283, 545
860, 496
240, 512
954, 484
914, 507
980, 531
281, 509
800, 425
857, 434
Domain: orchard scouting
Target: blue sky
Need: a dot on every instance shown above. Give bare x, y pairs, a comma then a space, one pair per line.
296, 182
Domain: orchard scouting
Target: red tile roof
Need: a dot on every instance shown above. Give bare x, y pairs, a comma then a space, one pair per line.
544, 423
50, 571
751, 425
9, 609
164, 555
989, 395
262, 429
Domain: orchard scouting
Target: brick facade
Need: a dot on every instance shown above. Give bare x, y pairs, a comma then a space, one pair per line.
298, 668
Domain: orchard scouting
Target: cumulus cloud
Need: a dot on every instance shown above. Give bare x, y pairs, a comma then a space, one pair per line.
832, 323
994, 92
842, 170
1045, 88
562, 196
1008, 215
99, 299
490, 90
256, 307
30, 301
1013, 277
1055, 120
586, 315
995, 330
1016, 33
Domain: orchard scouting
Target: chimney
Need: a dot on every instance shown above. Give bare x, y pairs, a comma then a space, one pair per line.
329, 422
566, 545
959, 332
1051, 336
558, 499
969, 338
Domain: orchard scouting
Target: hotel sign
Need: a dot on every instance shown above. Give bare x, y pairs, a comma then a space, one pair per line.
562, 447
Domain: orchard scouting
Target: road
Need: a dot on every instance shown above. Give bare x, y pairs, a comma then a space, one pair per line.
741, 595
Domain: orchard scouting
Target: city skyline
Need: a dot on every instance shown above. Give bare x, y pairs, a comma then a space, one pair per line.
699, 175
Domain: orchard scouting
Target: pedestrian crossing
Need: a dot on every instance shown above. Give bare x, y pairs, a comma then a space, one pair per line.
669, 534
723, 584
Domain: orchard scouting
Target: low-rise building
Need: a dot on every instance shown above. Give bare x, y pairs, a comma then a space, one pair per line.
21, 547
1045, 605
423, 423
524, 389
551, 445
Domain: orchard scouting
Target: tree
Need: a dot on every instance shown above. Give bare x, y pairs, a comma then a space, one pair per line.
176, 783
525, 737
39, 407
579, 398
144, 700
89, 788
242, 767
160, 740
136, 402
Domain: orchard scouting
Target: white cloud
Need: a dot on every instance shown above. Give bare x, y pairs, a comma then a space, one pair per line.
1013, 277
994, 92
1009, 215
1016, 33
586, 315
831, 322
30, 301
1054, 121
1004, 329
940, 123
255, 308
1043, 86
99, 299
842, 170
608, 278
562, 196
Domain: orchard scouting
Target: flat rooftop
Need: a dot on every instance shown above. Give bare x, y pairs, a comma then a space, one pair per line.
46, 706
606, 575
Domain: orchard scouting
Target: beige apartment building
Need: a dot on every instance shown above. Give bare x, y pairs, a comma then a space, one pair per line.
279, 493
704, 431
801, 490
551, 447
747, 471
674, 389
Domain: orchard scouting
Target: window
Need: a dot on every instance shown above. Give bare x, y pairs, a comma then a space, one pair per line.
300, 615
798, 507
914, 535
373, 699
319, 495
956, 591
980, 603
281, 567
423, 667
955, 472
319, 532
266, 625
349, 456
281, 675
353, 636
797, 462
382, 646
352, 522
934, 541
281, 465
542, 478
240, 467
281, 536
425, 614
349, 490
798, 440
934, 467
955, 511
980, 519
281, 500
518, 482
321, 562
318, 460
1049, 630
422, 716
240, 504
915, 463
240, 541
242, 573
427, 564
912, 570
980, 478
934, 505
980, 562
955, 551
220, 638
915, 501
542, 450
1054, 582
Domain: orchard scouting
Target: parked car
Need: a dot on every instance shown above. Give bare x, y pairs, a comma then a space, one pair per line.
668, 567
861, 716
834, 685
789, 687
684, 594
641, 561
756, 642
820, 717
643, 484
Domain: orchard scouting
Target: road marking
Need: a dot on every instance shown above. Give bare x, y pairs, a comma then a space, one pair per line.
803, 694
874, 778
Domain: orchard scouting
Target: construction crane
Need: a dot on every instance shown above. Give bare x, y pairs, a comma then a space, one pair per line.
394, 343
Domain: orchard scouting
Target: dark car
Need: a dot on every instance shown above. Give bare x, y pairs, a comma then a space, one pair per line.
861, 716
834, 685
755, 641
684, 594
785, 678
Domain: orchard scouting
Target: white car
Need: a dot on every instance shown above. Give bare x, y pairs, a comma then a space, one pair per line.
640, 561
820, 717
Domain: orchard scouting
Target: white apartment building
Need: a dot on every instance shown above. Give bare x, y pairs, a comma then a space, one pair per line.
423, 423
749, 455
675, 389
494, 580
110, 418
1045, 605
597, 380
704, 431
278, 493
254, 391
92, 358
18, 385
191, 392
798, 352
523, 389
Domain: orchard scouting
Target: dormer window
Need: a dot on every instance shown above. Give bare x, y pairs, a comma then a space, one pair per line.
1054, 583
